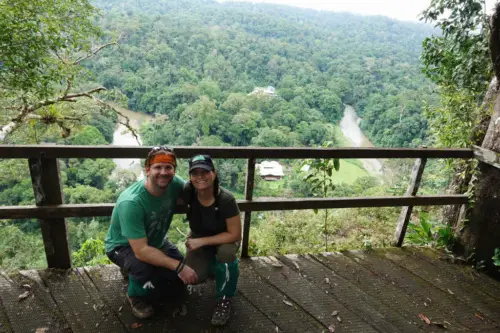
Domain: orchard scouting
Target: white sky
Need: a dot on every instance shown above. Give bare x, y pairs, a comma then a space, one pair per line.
406, 10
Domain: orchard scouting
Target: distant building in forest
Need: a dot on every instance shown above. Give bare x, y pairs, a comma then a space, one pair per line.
268, 91
270, 170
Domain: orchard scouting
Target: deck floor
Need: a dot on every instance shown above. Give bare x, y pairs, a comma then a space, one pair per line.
384, 290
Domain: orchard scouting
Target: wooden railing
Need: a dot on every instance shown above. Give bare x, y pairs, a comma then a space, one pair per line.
52, 211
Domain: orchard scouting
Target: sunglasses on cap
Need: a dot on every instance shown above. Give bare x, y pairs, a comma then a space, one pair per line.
161, 148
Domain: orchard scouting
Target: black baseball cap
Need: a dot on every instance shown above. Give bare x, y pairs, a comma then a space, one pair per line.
202, 162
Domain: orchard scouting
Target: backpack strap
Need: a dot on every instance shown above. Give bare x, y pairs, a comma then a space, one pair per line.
217, 210
189, 200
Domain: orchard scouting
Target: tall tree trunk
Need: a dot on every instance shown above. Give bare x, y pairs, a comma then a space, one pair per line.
479, 234
480, 231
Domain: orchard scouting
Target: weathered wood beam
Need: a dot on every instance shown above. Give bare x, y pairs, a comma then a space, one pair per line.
45, 178
324, 203
404, 216
56, 211
487, 156
89, 210
248, 214
61, 151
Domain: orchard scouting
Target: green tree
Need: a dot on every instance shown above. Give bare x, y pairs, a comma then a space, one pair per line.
105, 122
460, 56
274, 137
331, 106
43, 44
244, 126
211, 89
20, 250
89, 135
82, 194
202, 115
235, 103
93, 172
458, 61
91, 253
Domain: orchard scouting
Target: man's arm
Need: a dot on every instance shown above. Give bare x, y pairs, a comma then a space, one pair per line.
233, 234
156, 257
151, 255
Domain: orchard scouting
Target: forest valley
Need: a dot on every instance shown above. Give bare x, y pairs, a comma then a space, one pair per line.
199, 70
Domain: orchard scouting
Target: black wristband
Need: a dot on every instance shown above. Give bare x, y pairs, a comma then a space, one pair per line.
179, 267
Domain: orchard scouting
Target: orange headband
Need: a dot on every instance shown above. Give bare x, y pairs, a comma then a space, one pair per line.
163, 158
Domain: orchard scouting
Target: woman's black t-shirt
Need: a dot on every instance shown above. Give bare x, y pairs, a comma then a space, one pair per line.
209, 221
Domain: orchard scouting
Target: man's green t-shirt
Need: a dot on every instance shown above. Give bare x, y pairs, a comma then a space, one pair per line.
138, 214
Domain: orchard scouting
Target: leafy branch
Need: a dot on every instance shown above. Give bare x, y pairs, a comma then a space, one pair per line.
27, 111
45, 43
94, 52
496, 257
320, 176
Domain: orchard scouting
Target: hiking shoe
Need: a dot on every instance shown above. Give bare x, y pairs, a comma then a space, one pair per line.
222, 311
140, 307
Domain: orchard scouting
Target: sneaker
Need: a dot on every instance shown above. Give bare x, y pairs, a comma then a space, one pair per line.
140, 307
222, 311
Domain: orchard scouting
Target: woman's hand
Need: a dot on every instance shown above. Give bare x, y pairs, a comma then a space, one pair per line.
188, 275
194, 243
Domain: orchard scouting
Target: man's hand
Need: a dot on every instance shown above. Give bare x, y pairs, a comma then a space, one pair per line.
194, 243
188, 275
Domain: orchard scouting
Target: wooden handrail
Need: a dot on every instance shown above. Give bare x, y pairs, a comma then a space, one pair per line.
105, 209
487, 156
52, 211
61, 151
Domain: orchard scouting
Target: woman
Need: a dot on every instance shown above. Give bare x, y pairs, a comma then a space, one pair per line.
214, 219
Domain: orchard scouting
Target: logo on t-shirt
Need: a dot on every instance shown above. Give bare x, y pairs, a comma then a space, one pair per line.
160, 221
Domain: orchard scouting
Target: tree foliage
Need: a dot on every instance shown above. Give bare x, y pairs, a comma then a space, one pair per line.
43, 44
460, 55
91, 253
458, 61
316, 61
41, 41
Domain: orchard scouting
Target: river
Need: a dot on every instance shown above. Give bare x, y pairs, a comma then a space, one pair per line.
349, 126
123, 137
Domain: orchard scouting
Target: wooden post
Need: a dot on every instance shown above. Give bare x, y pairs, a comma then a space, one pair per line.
248, 196
47, 189
404, 216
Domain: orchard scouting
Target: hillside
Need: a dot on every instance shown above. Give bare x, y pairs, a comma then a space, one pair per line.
196, 61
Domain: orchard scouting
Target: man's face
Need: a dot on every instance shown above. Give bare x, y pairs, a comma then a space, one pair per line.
160, 174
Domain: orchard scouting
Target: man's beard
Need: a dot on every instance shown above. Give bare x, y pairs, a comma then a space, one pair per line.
157, 183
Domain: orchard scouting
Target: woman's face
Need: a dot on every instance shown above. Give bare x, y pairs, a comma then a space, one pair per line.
202, 179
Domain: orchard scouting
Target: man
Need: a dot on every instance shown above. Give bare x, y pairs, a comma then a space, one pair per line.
137, 237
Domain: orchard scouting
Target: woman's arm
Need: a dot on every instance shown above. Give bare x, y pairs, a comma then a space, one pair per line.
233, 234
